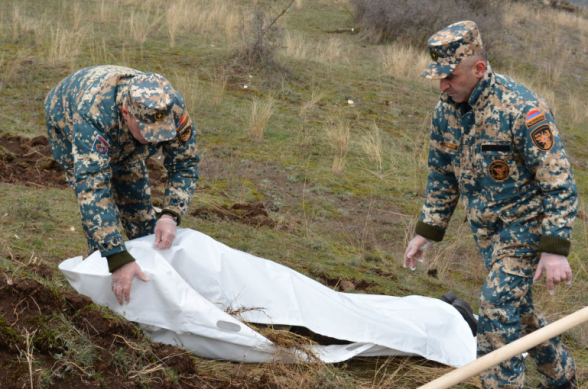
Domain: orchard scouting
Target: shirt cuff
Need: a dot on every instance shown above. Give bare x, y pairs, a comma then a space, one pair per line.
172, 213
554, 245
119, 259
427, 231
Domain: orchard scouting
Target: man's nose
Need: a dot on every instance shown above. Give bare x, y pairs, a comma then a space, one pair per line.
443, 85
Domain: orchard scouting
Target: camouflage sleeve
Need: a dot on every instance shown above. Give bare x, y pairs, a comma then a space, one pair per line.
442, 186
92, 175
181, 163
545, 156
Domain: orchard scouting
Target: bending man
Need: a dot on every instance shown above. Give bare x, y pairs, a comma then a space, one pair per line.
103, 122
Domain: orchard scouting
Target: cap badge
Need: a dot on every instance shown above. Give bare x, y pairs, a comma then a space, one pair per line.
159, 115
434, 55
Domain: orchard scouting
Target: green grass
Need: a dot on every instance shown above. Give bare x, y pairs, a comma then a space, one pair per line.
351, 226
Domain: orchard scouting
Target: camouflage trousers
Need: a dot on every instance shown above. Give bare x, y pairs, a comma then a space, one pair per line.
130, 189
506, 314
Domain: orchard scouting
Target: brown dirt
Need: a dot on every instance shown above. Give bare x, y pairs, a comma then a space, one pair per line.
250, 214
30, 162
339, 283
58, 322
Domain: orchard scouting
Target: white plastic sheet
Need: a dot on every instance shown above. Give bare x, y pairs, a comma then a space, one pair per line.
193, 282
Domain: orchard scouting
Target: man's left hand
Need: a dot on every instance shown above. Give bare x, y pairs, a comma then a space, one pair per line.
557, 269
165, 232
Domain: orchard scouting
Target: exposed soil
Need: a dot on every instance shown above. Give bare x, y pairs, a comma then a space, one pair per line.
70, 342
250, 214
344, 285
30, 162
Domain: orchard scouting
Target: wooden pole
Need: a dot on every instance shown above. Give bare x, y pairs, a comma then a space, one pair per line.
510, 350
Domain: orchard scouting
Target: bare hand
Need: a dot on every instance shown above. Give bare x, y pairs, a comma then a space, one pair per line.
165, 232
122, 278
557, 269
415, 251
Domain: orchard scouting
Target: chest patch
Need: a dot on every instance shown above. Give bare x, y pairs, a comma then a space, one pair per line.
542, 137
451, 146
499, 170
534, 117
100, 145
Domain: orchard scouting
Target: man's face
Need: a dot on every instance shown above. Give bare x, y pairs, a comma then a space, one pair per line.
133, 127
460, 84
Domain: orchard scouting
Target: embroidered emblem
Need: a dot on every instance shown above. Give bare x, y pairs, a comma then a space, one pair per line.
542, 137
499, 170
434, 55
184, 129
182, 121
185, 135
450, 145
534, 117
100, 145
159, 115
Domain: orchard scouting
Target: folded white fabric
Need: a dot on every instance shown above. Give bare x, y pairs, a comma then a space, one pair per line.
192, 283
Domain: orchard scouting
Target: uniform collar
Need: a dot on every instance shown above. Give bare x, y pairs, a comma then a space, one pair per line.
480, 95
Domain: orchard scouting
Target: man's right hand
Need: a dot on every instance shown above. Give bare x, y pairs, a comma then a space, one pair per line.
415, 251
122, 278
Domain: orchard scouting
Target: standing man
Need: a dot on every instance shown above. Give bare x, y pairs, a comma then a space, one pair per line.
495, 143
103, 122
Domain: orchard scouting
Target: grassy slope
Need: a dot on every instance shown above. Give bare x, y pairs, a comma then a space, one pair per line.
348, 226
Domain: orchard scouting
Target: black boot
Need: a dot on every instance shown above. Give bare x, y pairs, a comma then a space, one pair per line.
448, 297
466, 311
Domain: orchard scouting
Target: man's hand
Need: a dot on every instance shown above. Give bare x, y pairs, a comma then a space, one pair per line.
557, 269
122, 278
415, 251
165, 232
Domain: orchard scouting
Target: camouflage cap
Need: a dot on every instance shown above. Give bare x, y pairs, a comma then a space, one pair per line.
150, 101
450, 46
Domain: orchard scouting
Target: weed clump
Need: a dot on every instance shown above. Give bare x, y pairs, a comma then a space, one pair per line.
412, 22
261, 35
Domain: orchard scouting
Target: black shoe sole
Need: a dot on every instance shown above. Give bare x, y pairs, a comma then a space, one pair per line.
448, 297
466, 311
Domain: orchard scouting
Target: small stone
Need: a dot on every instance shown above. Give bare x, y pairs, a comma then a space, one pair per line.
347, 286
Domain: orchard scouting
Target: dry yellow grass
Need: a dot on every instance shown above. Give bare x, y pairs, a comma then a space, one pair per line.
339, 135
189, 87
331, 50
296, 46
403, 61
308, 108
371, 144
261, 111
65, 45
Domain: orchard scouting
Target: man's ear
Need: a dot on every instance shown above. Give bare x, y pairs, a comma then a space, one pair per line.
479, 69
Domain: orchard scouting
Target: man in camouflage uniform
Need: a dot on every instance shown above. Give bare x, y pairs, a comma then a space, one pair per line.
103, 123
495, 143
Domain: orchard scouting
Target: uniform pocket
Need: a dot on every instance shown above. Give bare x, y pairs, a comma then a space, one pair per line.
497, 169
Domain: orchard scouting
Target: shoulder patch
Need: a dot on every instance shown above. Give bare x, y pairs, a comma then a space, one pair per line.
100, 145
499, 170
184, 129
534, 117
542, 137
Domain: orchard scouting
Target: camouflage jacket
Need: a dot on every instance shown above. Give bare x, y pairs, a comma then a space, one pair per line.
86, 108
502, 153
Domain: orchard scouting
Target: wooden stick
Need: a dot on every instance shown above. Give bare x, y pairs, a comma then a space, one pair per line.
510, 350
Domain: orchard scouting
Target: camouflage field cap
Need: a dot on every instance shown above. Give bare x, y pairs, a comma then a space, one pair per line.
150, 101
450, 46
